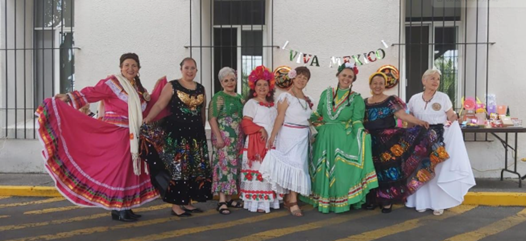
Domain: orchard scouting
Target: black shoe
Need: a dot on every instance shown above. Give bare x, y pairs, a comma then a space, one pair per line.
132, 214
195, 210
122, 216
185, 214
387, 210
369, 206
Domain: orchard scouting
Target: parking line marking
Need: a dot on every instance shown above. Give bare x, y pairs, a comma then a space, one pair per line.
52, 210
101, 229
407, 225
276, 233
49, 200
492, 229
186, 231
77, 219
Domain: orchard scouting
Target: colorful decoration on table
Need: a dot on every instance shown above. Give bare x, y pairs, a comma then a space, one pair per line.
281, 74
261, 73
392, 73
301, 57
473, 111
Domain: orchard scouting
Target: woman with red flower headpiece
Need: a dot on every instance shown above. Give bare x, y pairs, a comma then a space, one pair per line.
342, 170
224, 116
285, 167
258, 121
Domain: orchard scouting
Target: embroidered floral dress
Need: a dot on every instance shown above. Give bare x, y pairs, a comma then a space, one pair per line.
257, 192
177, 152
341, 167
228, 111
402, 157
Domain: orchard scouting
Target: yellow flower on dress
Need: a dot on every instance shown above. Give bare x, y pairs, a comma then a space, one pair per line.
397, 150
386, 156
423, 175
442, 153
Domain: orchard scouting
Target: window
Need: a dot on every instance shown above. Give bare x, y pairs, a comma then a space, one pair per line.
37, 60
239, 38
444, 35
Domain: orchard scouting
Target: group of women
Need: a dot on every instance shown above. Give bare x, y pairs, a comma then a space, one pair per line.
346, 153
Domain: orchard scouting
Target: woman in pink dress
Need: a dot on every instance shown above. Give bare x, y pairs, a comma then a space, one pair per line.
94, 162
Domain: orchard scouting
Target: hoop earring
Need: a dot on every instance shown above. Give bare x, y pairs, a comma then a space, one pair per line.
138, 74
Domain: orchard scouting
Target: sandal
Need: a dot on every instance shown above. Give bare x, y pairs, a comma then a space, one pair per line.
296, 213
224, 211
237, 205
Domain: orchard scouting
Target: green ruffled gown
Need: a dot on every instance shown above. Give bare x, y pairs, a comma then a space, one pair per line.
341, 167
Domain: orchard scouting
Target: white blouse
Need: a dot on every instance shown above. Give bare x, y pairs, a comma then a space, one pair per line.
298, 111
261, 115
434, 112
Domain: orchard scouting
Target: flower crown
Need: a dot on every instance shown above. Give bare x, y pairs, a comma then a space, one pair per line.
261, 73
348, 65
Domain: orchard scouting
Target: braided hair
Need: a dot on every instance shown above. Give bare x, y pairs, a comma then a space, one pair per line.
340, 69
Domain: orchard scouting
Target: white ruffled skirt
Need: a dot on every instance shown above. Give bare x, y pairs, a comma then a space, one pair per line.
453, 179
286, 167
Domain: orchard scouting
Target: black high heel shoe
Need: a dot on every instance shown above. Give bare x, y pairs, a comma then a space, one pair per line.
122, 216
369, 206
387, 210
132, 214
184, 214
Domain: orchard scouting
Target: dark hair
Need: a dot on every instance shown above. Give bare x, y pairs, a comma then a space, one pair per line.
303, 70
135, 57
268, 98
185, 59
340, 69
377, 74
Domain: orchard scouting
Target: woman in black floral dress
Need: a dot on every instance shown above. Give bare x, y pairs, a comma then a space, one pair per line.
178, 150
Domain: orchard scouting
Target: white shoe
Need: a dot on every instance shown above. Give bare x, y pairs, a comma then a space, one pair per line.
438, 212
420, 210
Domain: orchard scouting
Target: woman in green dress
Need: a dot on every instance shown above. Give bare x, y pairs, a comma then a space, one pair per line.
225, 115
341, 167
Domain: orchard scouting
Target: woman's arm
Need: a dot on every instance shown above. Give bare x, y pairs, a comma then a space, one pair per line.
401, 114
451, 115
213, 112
163, 101
282, 108
203, 110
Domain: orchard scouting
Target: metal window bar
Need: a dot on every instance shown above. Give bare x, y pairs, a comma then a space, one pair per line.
21, 95
224, 31
419, 21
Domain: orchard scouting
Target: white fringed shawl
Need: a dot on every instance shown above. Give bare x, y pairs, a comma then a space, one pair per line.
134, 120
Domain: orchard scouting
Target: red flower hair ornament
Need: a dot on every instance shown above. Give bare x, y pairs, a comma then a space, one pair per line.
261, 73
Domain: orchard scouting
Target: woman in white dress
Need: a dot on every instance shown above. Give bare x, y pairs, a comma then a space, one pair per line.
258, 119
454, 177
286, 166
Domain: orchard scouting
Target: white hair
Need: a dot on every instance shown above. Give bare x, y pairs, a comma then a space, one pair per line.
224, 72
431, 72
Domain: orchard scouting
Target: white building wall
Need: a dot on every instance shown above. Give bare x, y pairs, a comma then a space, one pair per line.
336, 28
506, 61
158, 31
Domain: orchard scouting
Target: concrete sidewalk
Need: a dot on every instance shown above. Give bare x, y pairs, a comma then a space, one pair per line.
491, 192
